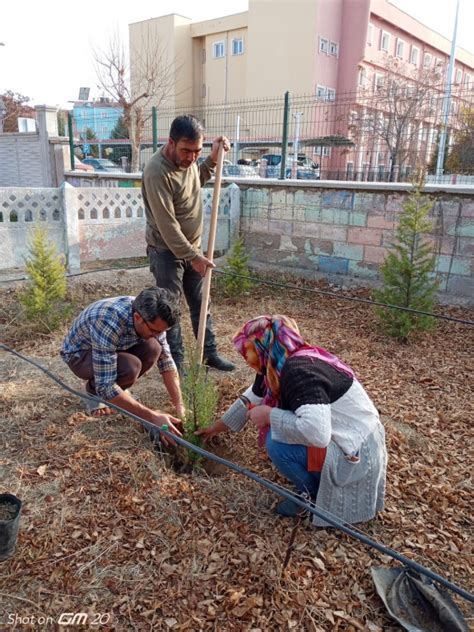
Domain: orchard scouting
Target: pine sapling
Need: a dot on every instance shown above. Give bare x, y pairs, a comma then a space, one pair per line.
237, 264
43, 299
408, 271
200, 399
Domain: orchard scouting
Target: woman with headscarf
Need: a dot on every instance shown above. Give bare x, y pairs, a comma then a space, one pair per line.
319, 426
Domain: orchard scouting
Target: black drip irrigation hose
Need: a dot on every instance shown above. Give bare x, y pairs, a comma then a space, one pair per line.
281, 491
355, 299
286, 286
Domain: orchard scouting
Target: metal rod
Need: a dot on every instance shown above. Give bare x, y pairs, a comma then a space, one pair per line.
155, 128
447, 100
284, 141
71, 139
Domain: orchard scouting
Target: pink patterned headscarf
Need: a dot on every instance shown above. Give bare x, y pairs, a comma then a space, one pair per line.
266, 342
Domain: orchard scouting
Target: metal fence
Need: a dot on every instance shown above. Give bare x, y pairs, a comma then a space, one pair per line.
381, 133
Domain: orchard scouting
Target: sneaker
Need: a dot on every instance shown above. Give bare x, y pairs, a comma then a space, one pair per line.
216, 362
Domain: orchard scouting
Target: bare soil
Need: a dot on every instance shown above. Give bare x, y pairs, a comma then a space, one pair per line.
108, 528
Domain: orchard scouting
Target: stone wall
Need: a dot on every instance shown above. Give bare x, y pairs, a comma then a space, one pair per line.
343, 232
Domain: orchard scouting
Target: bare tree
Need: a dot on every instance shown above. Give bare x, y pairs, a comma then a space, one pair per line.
136, 83
461, 153
16, 105
398, 110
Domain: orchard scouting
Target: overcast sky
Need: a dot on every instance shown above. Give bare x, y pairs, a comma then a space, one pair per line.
47, 42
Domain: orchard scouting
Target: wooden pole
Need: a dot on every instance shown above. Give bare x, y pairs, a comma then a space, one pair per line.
206, 286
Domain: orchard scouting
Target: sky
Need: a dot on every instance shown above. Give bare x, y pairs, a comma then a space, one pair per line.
47, 44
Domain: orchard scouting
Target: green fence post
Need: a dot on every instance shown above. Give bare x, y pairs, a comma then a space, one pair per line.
155, 128
71, 139
284, 141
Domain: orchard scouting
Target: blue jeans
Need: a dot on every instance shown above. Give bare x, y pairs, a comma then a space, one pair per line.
291, 461
178, 276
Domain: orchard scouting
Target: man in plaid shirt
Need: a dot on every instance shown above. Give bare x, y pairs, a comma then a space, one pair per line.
114, 341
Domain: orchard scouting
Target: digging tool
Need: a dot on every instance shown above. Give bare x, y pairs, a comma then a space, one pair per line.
206, 286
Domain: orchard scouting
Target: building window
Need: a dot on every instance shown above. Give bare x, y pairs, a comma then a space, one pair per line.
218, 50
400, 48
237, 46
379, 81
458, 76
321, 92
326, 152
370, 34
362, 77
330, 94
415, 55
384, 41
334, 49
467, 80
427, 60
349, 170
323, 45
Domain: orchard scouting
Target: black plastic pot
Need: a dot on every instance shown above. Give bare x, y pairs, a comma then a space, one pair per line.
9, 527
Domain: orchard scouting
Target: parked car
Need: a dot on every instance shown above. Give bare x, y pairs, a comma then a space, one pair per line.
306, 169
80, 166
102, 164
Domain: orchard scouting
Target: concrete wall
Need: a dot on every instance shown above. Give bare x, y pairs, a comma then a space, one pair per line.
20, 160
33, 159
94, 224
21, 210
315, 229
344, 233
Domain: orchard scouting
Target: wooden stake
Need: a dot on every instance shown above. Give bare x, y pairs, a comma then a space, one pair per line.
206, 286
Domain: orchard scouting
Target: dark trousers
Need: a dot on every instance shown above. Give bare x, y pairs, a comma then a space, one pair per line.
131, 364
178, 276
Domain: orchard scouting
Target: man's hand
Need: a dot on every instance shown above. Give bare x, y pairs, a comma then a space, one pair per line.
162, 419
201, 263
181, 411
216, 144
260, 416
211, 431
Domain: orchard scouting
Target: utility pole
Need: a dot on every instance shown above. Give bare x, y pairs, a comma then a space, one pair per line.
447, 100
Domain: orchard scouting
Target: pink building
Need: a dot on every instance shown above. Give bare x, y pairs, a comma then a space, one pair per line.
336, 53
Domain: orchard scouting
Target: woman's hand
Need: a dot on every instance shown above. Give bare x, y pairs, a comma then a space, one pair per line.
210, 432
260, 416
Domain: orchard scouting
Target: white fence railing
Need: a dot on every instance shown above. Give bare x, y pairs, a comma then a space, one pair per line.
89, 224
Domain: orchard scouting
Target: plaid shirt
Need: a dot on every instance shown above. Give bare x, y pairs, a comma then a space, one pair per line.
106, 327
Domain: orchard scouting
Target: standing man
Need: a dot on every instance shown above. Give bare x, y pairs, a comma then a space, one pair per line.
115, 341
171, 188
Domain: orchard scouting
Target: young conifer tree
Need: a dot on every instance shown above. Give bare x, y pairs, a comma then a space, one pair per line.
237, 264
200, 399
408, 271
43, 299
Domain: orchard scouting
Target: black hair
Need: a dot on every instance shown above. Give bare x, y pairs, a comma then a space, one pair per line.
156, 302
186, 126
